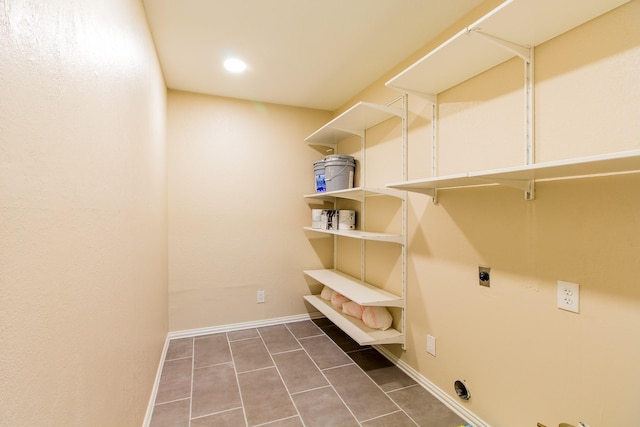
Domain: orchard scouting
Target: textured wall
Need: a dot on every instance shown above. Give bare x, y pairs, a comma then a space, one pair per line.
237, 174
83, 253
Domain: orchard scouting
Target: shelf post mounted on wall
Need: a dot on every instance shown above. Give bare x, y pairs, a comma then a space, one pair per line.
405, 209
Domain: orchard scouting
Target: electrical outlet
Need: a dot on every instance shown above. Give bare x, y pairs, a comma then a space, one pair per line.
484, 276
260, 297
569, 296
431, 345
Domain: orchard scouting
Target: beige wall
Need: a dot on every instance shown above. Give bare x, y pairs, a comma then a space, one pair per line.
526, 361
83, 252
237, 173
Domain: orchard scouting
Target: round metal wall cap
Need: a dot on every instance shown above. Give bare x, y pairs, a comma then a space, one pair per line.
461, 390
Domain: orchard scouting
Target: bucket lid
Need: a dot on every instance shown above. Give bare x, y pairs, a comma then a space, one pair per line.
342, 157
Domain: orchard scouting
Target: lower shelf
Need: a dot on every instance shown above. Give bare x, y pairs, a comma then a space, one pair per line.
353, 327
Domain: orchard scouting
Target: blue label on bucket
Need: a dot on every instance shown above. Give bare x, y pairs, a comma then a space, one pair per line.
321, 185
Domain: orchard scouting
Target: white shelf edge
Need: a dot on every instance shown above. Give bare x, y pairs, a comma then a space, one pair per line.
354, 289
362, 235
353, 121
353, 327
517, 176
358, 193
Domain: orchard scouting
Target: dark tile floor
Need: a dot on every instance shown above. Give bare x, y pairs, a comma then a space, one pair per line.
305, 373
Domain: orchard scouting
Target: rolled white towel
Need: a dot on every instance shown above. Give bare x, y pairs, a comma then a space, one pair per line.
377, 317
353, 309
326, 293
338, 299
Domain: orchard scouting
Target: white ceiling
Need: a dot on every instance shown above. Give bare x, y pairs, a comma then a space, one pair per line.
307, 53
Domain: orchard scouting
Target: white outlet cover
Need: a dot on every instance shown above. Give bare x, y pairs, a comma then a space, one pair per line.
568, 296
431, 345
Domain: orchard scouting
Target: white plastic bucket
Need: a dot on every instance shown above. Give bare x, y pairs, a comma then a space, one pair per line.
316, 218
318, 170
346, 220
338, 172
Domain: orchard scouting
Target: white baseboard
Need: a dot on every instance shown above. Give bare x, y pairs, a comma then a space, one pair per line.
154, 391
439, 394
241, 326
215, 330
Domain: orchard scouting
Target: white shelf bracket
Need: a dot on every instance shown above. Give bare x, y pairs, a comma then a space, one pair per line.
521, 51
526, 185
323, 147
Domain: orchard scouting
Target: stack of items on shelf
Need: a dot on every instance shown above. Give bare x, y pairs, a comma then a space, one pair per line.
332, 219
334, 172
373, 317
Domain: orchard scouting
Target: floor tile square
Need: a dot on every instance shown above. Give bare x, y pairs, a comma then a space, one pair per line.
175, 380
332, 411
381, 370
424, 408
360, 393
172, 414
215, 389
250, 354
243, 334
211, 350
298, 371
264, 396
344, 341
179, 348
304, 329
324, 352
277, 338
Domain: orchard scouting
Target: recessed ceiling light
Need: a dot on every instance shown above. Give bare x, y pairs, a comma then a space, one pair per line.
235, 65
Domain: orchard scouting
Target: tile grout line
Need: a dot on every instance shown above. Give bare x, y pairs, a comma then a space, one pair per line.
279, 374
177, 358
170, 401
322, 333
275, 421
339, 366
215, 413
376, 384
235, 371
386, 415
193, 364
310, 389
400, 409
386, 393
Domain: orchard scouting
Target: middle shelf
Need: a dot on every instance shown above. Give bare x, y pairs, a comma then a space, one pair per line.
362, 235
357, 193
354, 289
